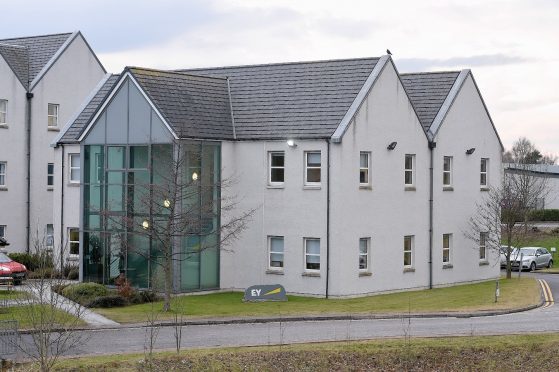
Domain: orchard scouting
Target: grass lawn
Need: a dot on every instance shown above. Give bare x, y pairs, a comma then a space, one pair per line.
9, 295
25, 314
515, 293
490, 353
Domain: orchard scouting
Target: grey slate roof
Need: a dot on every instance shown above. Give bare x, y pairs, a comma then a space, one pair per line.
194, 106
536, 168
292, 100
80, 123
427, 91
17, 58
40, 49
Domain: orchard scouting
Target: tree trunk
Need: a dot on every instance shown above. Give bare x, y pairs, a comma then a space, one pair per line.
168, 284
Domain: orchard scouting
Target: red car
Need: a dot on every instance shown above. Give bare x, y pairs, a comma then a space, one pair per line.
11, 269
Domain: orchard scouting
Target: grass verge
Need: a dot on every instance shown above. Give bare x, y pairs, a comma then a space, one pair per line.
29, 315
515, 293
490, 353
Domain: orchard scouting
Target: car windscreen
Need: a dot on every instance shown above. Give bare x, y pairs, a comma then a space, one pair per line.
4, 258
527, 251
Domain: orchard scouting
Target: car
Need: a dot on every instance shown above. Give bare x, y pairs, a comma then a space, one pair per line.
503, 254
532, 258
10, 269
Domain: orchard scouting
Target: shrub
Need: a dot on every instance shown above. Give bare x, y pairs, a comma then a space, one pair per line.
73, 274
30, 261
108, 301
142, 297
80, 291
544, 215
125, 289
44, 273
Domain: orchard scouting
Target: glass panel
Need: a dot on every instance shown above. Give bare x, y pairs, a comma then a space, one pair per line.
483, 179
190, 265
313, 246
138, 177
75, 174
407, 258
363, 246
407, 243
115, 157
364, 160
446, 240
277, 175
138, 157
409, 162
93, 198
137, 265
276, 245
276, 260
115, 197
446, 178
408, 177
209, 265
115, 177
313, 175
363, 176
162, 159
483, 165
116, 257
278, 159
75, 161
362, 262
93, 257
93, 164
313, 159
446, 253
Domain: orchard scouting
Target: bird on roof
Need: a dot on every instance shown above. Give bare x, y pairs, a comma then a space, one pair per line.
388, 52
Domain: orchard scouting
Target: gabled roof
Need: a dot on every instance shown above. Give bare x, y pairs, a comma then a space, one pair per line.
428, 91
292, 100
548, 169
37, 51
193, 106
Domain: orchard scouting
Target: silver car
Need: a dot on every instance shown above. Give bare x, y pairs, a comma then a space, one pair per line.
532, 258
503, 255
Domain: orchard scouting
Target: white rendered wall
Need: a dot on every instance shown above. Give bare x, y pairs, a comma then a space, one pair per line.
68, 82
12, 151
552, 198
386, 212
466, 126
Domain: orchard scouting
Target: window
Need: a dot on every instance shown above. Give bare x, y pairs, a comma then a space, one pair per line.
275, 244
447, 238
364, 165
3, 167
483, 172
74, 240
312, 168
408, 247
447, 171
50, 174
2, 231
312, 254
276, 161
482, 246
364, 254
74, 168
3, 111
408, 169
50, 236
53, 115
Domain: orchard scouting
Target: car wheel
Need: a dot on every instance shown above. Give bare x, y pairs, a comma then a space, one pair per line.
533, 266
550, 264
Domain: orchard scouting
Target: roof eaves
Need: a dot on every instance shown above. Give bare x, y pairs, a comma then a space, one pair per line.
53, 60
61, 134
447, 104
358, 101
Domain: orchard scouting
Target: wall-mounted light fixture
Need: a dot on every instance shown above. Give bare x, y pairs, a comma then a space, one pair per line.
194, 176
291, 143
392, 145
470, 151
166, 203
145, 225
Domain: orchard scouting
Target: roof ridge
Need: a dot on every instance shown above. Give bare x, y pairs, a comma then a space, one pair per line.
279, 63
430, 72
172, 72
36, 36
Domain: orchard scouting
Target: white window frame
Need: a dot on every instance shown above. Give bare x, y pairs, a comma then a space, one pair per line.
49, 236
410, 251
409, 170
270, 252
305, 241
3, 229
4, 111
271, 167
483, 246
70, 241
54, 116
366, 169
367, 255
50, 176
307, 168
73, 168
447, 248
3, 174
449, 171
484, 174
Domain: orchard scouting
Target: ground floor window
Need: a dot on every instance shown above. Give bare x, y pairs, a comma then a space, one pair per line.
408, 250
312, 254
275, 246
482, 246
2, 231
364, 254
446, 247
74, 240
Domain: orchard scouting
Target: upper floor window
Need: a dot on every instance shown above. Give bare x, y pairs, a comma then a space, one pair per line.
364, 254
3, 169
364, 166
447, 241
276, 161
483, 172
53, 115
312, 168
2, 231
50, 174
483, 246
447, 171
312, 254
408, 251
409, 170
3, 111
74, 168
275, 249
74, 240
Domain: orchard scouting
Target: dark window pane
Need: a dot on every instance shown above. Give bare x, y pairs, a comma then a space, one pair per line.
313, 175
278, 159
138, 157
277, 175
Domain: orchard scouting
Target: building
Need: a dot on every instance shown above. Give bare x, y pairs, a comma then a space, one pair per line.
362, 179
548, 176
43, 80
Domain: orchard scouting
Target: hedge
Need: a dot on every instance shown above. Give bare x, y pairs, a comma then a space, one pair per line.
544, 215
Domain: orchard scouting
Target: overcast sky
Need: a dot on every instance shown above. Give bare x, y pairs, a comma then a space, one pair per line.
512, 46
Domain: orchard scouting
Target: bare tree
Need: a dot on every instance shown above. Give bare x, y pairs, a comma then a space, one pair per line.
179, 202
53, 319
